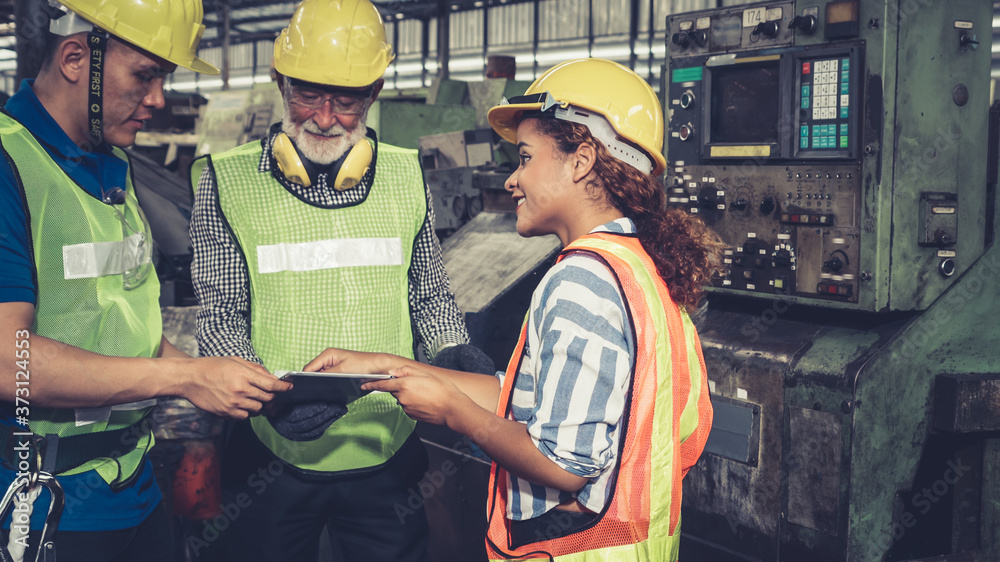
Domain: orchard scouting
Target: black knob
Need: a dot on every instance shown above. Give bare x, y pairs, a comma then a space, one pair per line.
767, 205
681, 39
833, 264
687, 100
782, 258
707, 198
768, 28
966, 40
806, 24
740, 204
700, 37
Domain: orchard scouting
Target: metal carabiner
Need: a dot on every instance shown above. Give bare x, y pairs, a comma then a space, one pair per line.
46, 548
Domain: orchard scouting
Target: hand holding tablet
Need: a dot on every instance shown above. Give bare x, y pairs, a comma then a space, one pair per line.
338, 388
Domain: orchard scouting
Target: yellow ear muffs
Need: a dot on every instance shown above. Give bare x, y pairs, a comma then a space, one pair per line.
354, 167
288, 160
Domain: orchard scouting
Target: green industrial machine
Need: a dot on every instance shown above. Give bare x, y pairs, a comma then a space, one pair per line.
846, 153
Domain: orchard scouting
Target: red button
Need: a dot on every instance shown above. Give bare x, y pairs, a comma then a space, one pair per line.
805, 68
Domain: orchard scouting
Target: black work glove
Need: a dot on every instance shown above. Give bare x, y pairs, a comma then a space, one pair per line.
305, 421
464, 357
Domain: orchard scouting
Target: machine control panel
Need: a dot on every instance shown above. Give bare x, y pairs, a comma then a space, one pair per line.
763, 143
829, 180
793, 230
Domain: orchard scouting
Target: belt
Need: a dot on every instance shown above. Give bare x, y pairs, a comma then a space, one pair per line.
70, 452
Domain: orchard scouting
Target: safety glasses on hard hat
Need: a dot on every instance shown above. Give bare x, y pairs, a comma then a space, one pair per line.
344, 102
136, 247
599, 126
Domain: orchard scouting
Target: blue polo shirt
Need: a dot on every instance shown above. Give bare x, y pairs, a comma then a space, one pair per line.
91, 505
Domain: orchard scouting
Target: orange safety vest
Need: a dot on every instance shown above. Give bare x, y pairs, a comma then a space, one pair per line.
668, 407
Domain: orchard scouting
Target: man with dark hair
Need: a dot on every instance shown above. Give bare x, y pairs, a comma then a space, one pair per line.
83, 356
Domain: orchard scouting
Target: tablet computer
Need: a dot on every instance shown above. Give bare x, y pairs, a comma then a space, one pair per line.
338, 388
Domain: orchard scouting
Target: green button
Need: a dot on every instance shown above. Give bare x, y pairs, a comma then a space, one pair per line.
845, 64
843, 128
845, 88
843, 112
845, 76
843, 142
804, 141
804, 130
805, 103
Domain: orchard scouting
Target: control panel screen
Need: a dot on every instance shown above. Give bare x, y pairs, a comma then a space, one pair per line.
745, 103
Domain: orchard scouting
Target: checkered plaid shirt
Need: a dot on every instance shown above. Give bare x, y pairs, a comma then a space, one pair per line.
222, 282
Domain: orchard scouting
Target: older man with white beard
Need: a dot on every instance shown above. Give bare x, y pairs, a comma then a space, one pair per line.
318, 236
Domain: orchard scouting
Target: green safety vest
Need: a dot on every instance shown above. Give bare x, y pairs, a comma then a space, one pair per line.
77, 244
321, 278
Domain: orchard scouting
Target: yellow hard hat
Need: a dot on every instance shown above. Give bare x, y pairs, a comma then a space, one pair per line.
578, 88
169, 29
335, 43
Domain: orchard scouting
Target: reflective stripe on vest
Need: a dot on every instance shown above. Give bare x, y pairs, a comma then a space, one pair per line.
97, 259
81, 300
642, 518
328, 277
329, 254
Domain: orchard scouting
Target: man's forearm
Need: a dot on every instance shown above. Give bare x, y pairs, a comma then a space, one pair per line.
59, 375
40, 371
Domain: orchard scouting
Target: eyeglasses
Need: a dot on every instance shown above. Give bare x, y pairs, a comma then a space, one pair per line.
136, 257
342, 102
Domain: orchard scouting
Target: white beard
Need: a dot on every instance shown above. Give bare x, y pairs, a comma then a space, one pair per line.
323, 151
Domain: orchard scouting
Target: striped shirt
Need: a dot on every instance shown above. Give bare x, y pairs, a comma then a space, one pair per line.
222, 282
571, 390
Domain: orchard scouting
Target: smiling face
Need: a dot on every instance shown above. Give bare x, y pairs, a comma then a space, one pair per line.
542, 185
319, 131
556, 185
133, 88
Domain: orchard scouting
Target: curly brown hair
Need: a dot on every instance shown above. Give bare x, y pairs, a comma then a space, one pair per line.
687, 254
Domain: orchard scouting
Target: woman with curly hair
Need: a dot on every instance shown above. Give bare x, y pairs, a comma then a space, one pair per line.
604, 405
